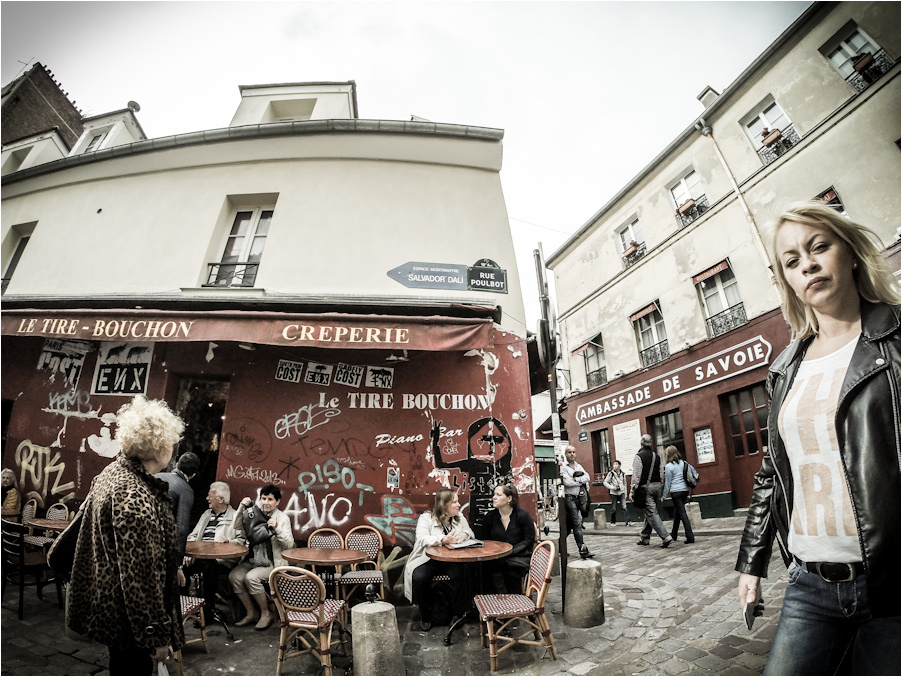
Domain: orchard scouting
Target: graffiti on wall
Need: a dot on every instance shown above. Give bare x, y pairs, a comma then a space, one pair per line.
248, 442
71, 403
122, 369
307, 417
41, 469
329, 474
397, 522
65, 358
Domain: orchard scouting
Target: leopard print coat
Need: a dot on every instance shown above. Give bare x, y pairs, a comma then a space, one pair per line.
124, 590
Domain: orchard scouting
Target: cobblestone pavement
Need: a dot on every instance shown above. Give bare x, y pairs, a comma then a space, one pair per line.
667, 612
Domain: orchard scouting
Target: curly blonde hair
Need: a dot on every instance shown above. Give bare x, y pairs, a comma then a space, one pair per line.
874, 279
146, 430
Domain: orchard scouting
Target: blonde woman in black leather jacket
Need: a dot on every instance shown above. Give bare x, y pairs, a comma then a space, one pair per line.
829, 488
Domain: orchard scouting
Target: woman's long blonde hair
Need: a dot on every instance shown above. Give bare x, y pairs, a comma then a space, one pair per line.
443, 499
873, 278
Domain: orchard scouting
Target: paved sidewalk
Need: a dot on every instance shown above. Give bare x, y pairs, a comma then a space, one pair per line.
668, 612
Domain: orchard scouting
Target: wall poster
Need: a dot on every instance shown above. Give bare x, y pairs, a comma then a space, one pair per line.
704, 445
626, 443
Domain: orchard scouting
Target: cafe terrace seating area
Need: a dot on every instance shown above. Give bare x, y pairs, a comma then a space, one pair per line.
314, 596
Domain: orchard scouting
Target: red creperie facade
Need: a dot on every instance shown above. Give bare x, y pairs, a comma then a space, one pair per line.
359, 419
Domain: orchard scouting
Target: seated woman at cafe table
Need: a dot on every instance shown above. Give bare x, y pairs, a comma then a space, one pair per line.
268, 533
443, 525
509, 523
215, 526
12, 503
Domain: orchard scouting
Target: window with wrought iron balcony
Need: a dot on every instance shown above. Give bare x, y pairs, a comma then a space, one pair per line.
593, 356
239, 274
770, 130
649, 325
857, 57
632, 243
719, 293
691, 202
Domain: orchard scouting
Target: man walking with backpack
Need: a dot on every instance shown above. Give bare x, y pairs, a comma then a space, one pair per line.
616, 484
647, 489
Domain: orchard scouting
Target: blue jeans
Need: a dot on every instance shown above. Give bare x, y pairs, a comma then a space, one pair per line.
653, 492
574, 519
825, 624
619, 501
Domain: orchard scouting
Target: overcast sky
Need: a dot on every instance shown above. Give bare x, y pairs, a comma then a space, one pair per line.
587, 93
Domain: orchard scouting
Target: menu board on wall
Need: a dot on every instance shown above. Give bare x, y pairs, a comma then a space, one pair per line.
704, 445
626, 443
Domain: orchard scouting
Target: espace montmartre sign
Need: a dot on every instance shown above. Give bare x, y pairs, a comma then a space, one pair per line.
738, 359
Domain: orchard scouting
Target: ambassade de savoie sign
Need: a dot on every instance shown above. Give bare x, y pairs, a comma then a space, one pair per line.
742, 357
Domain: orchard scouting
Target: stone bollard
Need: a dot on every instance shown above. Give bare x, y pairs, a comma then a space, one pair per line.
377, 642
695, 515
584, 604
601, 518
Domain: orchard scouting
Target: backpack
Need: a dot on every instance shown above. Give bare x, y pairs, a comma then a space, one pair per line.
690, 475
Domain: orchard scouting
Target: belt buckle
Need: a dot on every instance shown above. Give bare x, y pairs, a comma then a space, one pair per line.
849, 575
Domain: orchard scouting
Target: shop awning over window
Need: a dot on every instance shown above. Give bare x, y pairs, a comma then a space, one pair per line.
328, 330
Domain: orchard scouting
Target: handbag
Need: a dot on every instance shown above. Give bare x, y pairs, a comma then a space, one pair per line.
582, 500
639, 497
61, 555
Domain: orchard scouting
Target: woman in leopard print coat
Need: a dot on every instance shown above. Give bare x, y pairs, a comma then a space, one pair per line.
123, 591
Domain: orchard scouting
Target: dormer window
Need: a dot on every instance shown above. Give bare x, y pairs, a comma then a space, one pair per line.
95, 142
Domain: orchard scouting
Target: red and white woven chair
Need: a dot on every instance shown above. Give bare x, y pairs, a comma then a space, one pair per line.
368, 540
192, 609
306, 616
505, 609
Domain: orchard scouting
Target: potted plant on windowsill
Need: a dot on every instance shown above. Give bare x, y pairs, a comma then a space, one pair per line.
769, 138
686, 206
632, 249
862, 61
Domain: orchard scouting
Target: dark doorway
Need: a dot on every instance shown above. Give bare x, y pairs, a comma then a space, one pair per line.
745, 414
202, 404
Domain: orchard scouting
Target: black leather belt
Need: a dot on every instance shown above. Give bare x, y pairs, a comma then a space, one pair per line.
833, 572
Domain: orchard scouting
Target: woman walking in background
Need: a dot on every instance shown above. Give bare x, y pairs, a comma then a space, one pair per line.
679, 492
829, 489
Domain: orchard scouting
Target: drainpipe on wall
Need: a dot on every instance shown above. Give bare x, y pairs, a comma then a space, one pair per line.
705, 130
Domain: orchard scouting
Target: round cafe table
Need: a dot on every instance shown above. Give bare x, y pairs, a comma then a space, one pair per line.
325, 557
487, 551
48, 524
210, 550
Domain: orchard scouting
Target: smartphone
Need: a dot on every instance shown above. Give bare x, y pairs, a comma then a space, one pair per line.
748, 610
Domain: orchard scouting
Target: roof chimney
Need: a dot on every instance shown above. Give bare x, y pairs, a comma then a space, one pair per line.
708, 96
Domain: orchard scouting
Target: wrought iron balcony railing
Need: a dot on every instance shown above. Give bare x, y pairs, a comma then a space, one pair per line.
727, 320
788, 138
232, 274
632, 259
877, 65
596, 378
655, 353
699, 206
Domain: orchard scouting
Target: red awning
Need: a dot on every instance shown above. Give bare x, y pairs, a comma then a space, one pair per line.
327, 330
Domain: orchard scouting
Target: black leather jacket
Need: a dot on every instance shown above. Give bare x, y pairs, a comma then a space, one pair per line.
867, 427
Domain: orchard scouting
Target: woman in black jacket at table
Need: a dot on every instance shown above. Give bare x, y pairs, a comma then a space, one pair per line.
509, 523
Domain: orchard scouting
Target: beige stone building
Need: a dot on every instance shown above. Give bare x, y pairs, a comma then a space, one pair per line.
667, 313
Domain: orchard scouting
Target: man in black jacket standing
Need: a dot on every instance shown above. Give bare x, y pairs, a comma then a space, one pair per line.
648, 481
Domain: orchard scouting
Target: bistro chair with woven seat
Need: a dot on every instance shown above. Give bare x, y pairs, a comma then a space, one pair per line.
29, 511
58, 511
368, 540
306, 616
505, 609
192, 610
19, 562
326, 538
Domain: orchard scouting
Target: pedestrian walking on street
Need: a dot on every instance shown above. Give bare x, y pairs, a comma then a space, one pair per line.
675, 485
575, 479
647, 489
829, 487
123, 590
615, 481
182, 496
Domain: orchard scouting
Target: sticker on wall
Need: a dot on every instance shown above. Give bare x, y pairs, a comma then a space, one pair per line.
122, 369
380, 377
318, 374
349, 375
289, 371
64, 357
393, 478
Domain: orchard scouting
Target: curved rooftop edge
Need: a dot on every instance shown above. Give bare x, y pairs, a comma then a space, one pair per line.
274, 129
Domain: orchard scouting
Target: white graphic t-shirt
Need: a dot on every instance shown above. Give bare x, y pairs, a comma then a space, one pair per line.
823, 525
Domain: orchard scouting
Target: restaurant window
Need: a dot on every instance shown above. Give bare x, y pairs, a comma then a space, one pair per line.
666, 430
652, 335
601, 451
719, 293
747, 413
243, 249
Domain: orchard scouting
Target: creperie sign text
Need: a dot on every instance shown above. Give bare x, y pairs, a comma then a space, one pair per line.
740, 358
339, 334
